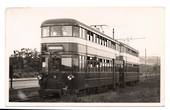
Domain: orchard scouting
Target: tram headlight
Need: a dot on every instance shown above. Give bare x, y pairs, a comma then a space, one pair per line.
40, 76
70, 77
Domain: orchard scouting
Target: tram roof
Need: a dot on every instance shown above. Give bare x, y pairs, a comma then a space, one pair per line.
69, 21
66, 21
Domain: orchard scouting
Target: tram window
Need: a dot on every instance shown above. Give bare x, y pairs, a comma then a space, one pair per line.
91, 36
102, 43
101, 64
80, 32
98, 39
75, 31
45, 31
67, 62
43, 47
43, 59
107, 61
97, 67
89, 65
88, 35
88, 58
83, 59
95, 38
56, 31
83, 33
101, 40
104, 66
121, 49
67, 30
100, 60
114, 46
106, 43
75, 64
110, 44
80, 63
43, 62
117, 47
55, 63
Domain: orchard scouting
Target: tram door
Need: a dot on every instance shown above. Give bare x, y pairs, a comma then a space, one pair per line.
119, 65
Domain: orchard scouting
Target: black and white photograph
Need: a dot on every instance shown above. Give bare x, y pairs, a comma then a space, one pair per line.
90, 56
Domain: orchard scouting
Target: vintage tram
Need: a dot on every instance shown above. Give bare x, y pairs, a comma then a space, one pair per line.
77, 58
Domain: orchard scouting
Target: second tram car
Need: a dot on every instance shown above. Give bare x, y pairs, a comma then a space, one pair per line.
77, 58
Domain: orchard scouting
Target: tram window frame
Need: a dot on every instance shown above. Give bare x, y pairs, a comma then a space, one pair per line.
117, 47
123, 49
94, 36
47, 33
88, 35
89, 64
106, 43
54, 30
82, 63
67, 61
109, 43
100, 64
97, 39
54, 64
80, 32
74, 29
43, 59
91, 36
75, 63
104, 65
67, 30
100, 40
103, 41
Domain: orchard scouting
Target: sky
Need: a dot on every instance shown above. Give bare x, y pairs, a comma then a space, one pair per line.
23, 25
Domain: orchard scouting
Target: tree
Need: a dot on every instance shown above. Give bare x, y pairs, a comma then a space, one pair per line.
26, 60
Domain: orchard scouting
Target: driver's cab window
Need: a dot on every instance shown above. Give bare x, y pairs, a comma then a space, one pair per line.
55, 63
45, 63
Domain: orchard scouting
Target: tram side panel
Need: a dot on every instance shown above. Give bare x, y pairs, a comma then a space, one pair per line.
132, 73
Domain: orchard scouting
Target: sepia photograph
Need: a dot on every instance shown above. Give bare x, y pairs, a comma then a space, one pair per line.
89, 56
